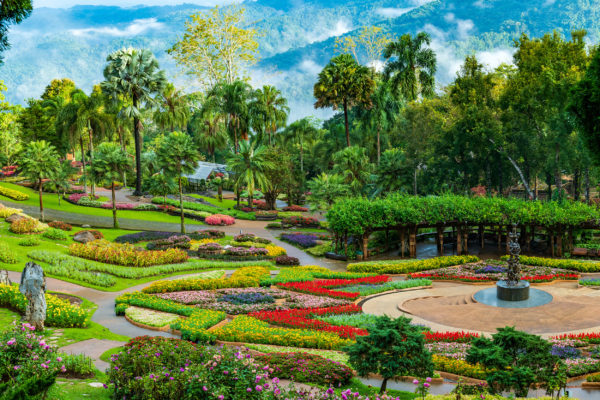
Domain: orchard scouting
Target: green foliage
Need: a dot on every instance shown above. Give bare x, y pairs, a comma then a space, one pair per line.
55, 234
573, 265
393, 347
188, 205
408, 266
29, 241
515, 360
249, 168
6, 254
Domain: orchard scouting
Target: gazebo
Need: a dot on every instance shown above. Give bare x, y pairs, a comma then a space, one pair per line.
202, 172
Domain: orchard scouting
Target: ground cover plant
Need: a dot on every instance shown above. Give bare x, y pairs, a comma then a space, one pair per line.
13, 194
564, 264
150, 317
146, 236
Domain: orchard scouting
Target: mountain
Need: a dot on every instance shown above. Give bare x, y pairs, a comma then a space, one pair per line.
298, 37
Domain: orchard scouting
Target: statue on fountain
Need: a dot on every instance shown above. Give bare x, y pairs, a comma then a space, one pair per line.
513, 288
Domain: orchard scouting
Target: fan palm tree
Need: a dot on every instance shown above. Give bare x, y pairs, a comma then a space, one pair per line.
59, 182
301, 132
249, 167
412, 71
269, 111
177, 155
39, 161
232, 100
353, 165
161, 184
173, 109
344, 83
208, 127
135, 75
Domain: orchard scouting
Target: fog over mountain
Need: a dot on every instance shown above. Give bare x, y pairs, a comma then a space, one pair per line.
298, 38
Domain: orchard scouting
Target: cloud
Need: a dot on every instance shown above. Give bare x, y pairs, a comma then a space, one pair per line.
125, 3
494, 57
419, 3
548, 3
390, 12
481, 4
137, 27
341, 26
463, 26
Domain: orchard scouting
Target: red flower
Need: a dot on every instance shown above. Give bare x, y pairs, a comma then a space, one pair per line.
321, 287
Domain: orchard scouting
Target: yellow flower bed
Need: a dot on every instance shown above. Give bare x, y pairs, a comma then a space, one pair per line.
195, 243
243, 277
458, 367
251, 330
275, 251
408, 266
13, 194
7, 212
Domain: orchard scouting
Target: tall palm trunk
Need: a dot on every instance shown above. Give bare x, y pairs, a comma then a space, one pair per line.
138, 152
301, 157
41, 201
378, 144
120, 132
181, 206
346, 123
114, 206
91, 146
83, 164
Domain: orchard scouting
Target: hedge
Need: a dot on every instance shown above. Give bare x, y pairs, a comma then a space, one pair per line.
360, 215
574, 265
408, 266
13, 194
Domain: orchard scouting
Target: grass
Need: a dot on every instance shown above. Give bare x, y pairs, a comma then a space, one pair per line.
330, 354
357, 386
75, 389
7, 317
226, 203
51, 202
108, 353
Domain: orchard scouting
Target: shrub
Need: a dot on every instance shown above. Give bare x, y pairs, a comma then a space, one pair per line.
319, 250
7, 256
219, 219
60, 225
144, 236
173, 242
59, 313
307, 368
7, 211
296, 208
85, 201
125, 254
29, 241
287, 260
245, 252
244, 237
13, 194
75, 197
55, 234
274, 225
407, 266
267, 213
194, 328
24, 226
593, 378
209, 247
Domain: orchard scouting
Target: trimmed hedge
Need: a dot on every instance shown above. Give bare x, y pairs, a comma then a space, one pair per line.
408, 266
573, 265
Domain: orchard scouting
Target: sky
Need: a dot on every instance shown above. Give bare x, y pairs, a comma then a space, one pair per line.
123, 3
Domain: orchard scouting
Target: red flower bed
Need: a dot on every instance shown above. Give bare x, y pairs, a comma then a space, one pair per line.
301, 318
320, 287
586, 337
295, 208
550, 278
450, 336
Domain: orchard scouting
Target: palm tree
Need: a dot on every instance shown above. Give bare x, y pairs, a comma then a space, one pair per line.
135, 75
208, 127
353, 165
325, 189
232, 100
39, 161
178, 155
161, 184
412, 72
269, 111
59, 182
344, 83
173, 108
111, 162
301, 132
249, 167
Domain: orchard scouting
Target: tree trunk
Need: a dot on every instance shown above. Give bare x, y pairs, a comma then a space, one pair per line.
587, 185
220, 192
440, 234
138, 152
181, 206
114, 206
41, 201
402, 241
383, 386
301, 157
378, 144
412, 242
576, 184
557, 177
415, 180
91, 146
83, 164
549, 183
346, 123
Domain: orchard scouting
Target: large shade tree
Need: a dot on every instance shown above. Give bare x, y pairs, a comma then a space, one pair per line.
178, 156
39, 161
344, 83
135, 75
411, 66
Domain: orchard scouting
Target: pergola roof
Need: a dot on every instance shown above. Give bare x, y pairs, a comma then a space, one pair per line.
204, 169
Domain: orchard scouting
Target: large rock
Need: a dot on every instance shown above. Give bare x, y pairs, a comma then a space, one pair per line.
84, 237
14, 217
33, 286
4, 280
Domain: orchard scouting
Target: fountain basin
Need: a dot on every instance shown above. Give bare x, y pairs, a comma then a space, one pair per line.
518, 292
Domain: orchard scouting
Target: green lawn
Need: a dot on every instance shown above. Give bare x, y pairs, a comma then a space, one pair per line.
75, 389
51, 202
226, 203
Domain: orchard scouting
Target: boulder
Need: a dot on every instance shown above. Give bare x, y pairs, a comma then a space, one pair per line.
14, 217
84, 237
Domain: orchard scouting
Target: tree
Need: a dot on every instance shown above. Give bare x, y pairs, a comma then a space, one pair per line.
208, 127
249, 167
39, 161
110, 164
353, 165
232, 101
301, 132
161, 184
278, 178
325, 190
135, 75
37, 123
393, 348
62, 88
178, 155
515, 360
59, 182
173, 109
10, 141
392, 172
412, 70
585, 106
215, 47
11, 12
344, 83
269, 111
367, 44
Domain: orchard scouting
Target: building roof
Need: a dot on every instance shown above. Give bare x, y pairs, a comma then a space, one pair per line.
204, 169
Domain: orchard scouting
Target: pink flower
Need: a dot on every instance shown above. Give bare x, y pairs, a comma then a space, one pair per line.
416, 382
426, 385
428, 379
11, 342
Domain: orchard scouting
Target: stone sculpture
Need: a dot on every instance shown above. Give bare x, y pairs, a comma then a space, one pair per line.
33, 286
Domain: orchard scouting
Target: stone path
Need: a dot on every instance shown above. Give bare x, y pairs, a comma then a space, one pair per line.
93, 348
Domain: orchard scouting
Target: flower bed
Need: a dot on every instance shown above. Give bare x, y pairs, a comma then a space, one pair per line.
308, 368
308, 273
302, 240
461, 337
590, 282
306, 222
146, 236
287, 260
368, 289
591, 338
188, 205
173, 242
24, 226
407, 266
295, 208
555, 263
59, 313
321, 287
458, 367
152, 318
13, 194
194, 328
8, 211
219, 219
302, 318
251, 330
125, 254
7, 255
60, 225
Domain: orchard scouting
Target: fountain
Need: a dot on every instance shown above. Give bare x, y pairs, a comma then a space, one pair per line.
513, 288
